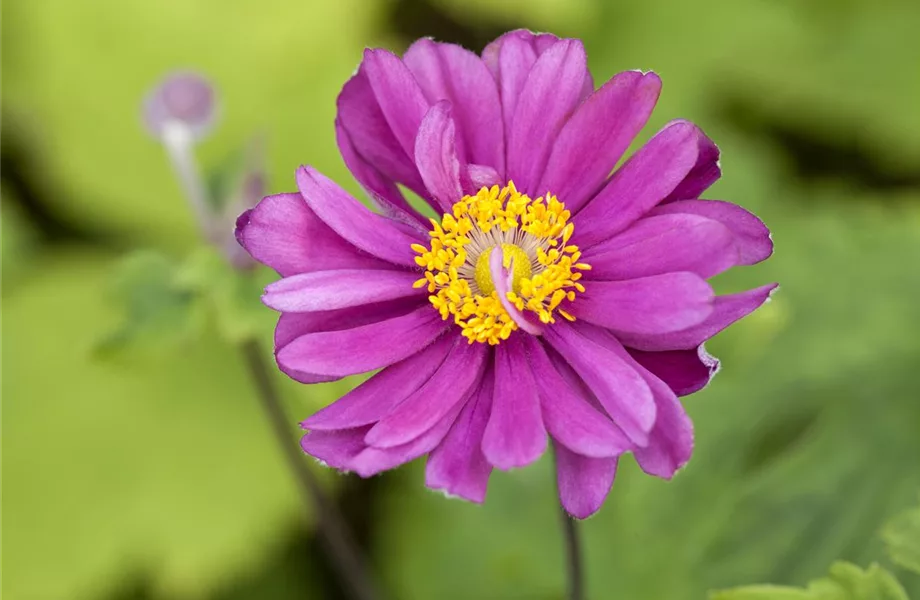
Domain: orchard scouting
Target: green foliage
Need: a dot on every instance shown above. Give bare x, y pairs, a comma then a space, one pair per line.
845, 582
165, 302
156, 308
112, 467
232, 296
902, 536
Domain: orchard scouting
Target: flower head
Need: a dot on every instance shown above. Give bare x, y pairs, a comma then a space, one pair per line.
548, 300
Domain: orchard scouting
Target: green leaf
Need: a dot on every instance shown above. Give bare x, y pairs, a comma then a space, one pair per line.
231, 295
846, 582
902, 537
156, 309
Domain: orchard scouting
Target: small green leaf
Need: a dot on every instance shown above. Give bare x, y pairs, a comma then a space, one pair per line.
156, 309
846, 582
230, 294
902, 537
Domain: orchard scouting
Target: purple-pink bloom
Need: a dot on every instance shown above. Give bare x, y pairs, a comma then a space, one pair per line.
551, 300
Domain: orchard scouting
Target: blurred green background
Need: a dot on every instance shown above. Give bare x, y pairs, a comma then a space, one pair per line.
150, 473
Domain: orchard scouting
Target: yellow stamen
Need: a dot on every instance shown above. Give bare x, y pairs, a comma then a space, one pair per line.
533, 235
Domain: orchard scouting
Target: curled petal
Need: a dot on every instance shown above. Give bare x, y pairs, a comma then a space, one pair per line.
450, 72
502, 279
704, 173
685, 371
436, 156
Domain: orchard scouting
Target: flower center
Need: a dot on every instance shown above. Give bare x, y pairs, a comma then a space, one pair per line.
488, 298
512, 254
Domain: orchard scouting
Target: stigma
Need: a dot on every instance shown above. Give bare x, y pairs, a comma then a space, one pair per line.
501, 261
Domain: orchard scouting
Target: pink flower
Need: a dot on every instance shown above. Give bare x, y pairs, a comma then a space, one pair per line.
551, 300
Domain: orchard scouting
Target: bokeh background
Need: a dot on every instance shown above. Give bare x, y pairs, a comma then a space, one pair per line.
148, 471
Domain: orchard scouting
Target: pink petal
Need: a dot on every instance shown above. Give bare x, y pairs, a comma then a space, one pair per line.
726, 310
283, 233
642, 182
450, 72
670, 443
569, 417
381, 188
328, 290
335, 448
382, 393
364, 348
514, 435
685, 371
502, 279
650, 305
665, 244
458, 465
704, 173
597, 135
450, 385
550, 94
583, 482
622, 392
373, 460
293, 325
369, 133
537, 44
436, 156
751, 236
373, 233
515, 60
400, 98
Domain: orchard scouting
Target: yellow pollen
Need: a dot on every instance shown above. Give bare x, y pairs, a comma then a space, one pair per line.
533, 235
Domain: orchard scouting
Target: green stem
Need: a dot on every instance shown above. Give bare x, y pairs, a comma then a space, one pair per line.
341, 548
574, 568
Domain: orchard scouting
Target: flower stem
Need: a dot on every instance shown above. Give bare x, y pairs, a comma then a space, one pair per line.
177, 139
574, 568
341, 548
